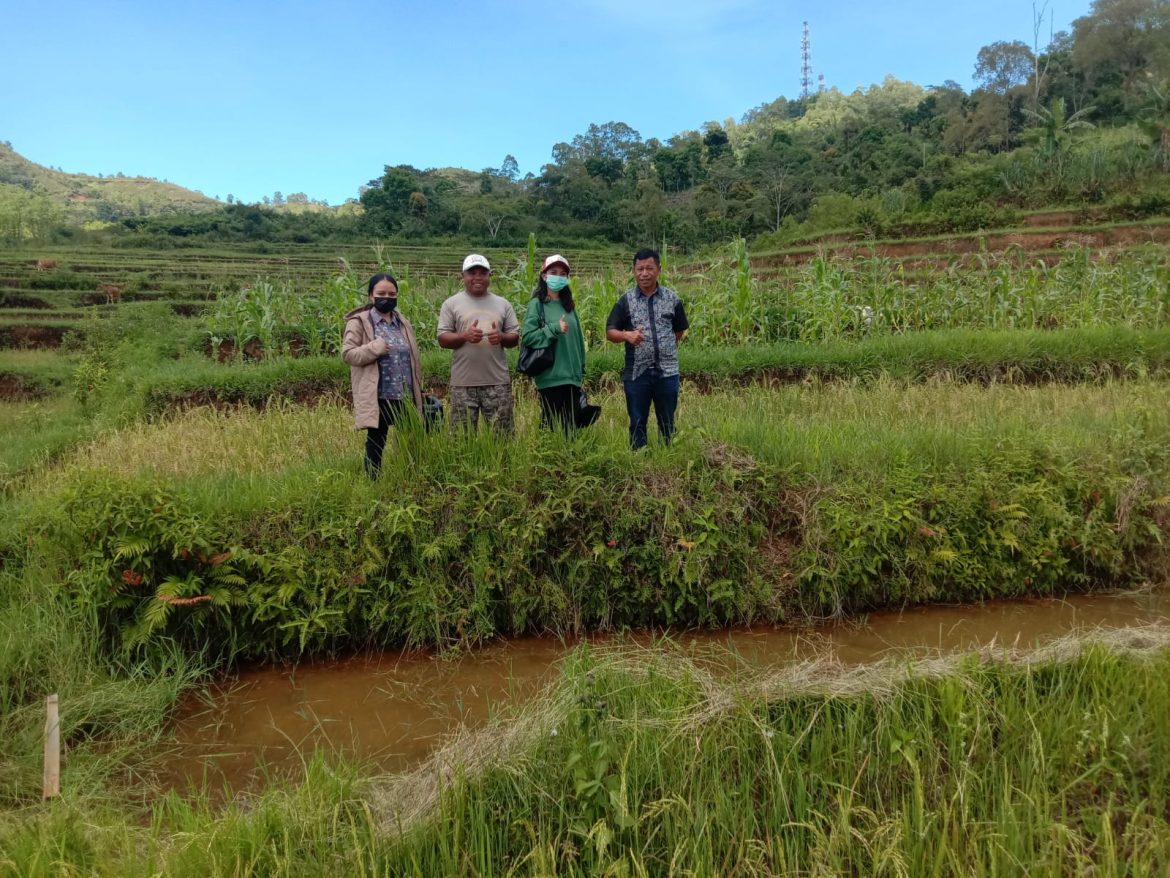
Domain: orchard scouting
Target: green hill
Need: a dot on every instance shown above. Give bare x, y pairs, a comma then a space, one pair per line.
84, 197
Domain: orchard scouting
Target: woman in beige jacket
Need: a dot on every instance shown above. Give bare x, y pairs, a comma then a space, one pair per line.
382, 353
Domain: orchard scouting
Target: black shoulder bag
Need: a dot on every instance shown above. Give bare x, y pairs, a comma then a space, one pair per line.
534, 361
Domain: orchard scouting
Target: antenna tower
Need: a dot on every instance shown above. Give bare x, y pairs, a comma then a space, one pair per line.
805, 63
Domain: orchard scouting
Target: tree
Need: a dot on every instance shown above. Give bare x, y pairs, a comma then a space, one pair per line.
510, 168
1129, 36
1053, 132
1003, 65
779, 175
612, 140
776, 190
1155, 122
387, 200
1039, 71
1055, 126
680, 165
721, 201
646, 215
986, 121
608, 169
26, 215
717, 142
489, 213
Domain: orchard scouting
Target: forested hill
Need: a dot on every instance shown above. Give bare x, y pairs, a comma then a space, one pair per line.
1083, 123
54, 195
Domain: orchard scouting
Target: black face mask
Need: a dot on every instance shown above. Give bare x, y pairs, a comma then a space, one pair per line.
385, 306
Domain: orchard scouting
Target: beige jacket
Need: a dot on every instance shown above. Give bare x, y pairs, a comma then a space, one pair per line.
356, 349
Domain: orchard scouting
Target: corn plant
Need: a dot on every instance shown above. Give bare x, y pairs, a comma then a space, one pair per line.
826, 299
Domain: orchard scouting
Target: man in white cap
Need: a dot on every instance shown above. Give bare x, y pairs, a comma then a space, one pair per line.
476, 325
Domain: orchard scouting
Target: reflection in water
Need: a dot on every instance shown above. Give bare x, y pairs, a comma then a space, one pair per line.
394, 708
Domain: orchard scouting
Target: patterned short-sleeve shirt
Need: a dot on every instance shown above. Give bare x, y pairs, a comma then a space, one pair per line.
395, 375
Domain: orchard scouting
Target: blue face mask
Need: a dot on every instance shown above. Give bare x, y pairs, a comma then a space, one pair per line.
555, 282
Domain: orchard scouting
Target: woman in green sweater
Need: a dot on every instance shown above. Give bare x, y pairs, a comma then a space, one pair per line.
559, 386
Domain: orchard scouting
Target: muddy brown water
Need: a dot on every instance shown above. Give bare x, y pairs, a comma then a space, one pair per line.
394, 708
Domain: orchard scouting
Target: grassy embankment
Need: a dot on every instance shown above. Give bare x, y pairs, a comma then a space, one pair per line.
257, 531
984, 357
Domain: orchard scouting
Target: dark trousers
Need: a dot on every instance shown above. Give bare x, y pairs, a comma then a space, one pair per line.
390, 411
651, 387
558, 407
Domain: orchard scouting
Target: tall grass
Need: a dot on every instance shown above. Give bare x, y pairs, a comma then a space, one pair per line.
113, 710
33, 433
1006, 357
819, 429
654, 767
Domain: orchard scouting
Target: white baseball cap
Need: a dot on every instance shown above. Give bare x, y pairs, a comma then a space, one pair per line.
475, 260
553, 260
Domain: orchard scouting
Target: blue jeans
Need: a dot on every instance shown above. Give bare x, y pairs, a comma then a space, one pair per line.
651, 387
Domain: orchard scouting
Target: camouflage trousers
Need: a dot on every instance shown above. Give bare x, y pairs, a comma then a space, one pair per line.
493, 401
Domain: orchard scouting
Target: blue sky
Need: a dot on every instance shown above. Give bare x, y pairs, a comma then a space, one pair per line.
252, 97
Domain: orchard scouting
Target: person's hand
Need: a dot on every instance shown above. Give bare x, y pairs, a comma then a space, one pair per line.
637, 336
494, 337
379, 347
474, 335
564, 324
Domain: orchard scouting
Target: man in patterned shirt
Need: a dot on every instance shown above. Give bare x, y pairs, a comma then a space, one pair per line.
651, 321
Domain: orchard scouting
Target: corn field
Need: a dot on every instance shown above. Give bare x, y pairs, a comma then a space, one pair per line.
825, 299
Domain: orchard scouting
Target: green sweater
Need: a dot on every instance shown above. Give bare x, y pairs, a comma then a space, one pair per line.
569, 366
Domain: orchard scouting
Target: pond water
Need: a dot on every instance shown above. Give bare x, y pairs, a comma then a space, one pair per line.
394, 708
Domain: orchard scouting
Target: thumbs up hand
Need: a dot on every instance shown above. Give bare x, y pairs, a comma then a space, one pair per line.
564, 325
637, 336
494, 335
474, 335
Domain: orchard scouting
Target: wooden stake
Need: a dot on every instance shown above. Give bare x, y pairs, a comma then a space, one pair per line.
52, 748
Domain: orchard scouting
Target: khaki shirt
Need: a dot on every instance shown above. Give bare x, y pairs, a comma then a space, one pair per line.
482, 364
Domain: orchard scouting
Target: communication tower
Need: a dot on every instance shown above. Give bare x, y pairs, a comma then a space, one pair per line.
805, 63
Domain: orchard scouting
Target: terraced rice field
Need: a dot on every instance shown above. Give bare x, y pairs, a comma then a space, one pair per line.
861, 432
